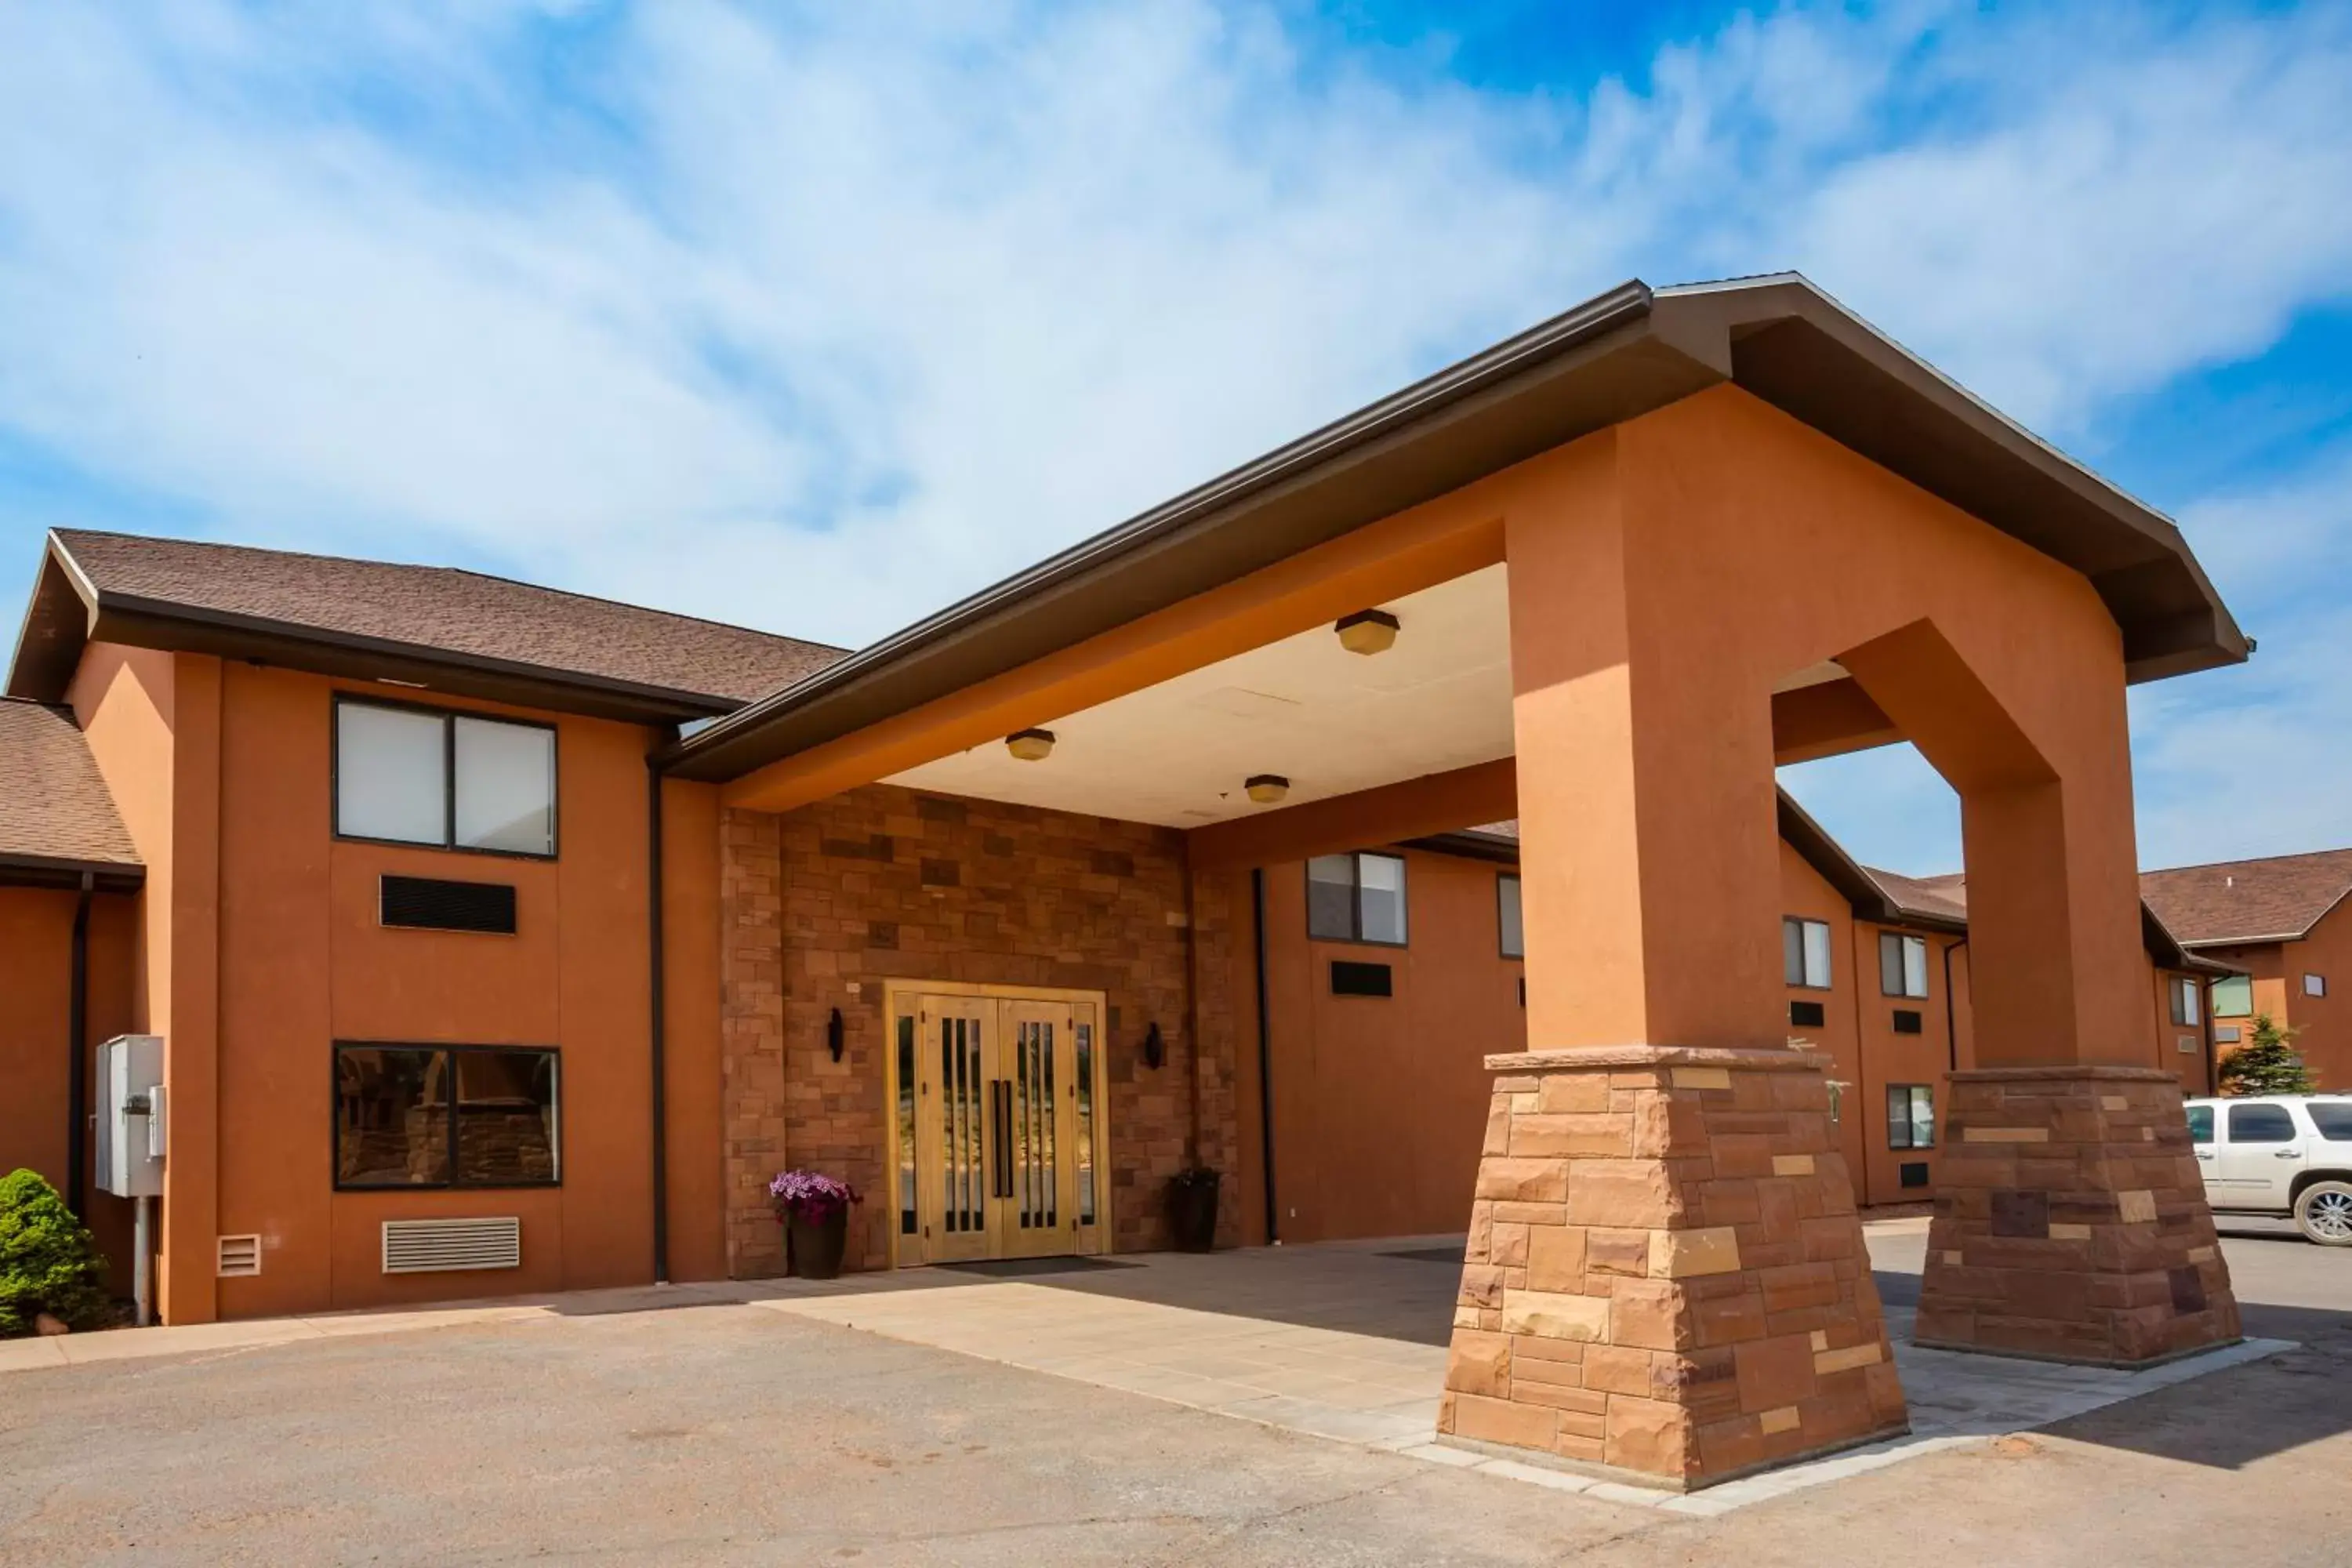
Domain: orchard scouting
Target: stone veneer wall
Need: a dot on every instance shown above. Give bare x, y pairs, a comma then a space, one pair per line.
882, 883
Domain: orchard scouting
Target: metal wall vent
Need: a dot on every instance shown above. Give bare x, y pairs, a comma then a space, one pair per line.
448, 1245
430, 904
239, 1257
1359, 979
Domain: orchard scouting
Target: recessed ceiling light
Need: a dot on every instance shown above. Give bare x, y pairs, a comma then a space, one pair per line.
1266, 788
1030, 745
1367, 631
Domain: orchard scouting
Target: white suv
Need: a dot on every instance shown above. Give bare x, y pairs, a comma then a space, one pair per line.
2279, 1154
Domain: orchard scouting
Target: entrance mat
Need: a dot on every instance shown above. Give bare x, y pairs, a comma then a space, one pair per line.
1430, 1254
1025, 1267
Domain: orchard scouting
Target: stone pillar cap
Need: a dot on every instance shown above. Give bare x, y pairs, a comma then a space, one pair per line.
1760, 1059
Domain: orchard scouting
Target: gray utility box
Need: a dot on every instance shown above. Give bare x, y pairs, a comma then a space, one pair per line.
131, 1116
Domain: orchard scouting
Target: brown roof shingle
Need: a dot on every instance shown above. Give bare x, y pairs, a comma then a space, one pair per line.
2277, 899
55, 809
446, 610
1944, 896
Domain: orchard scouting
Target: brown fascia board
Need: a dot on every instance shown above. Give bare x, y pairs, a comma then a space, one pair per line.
53, 871
1617, 355
1489, 847
67, 612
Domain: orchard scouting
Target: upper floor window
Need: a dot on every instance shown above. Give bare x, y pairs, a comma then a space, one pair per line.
1805, 952
2315, 985
452, 781
1507, 899
2184, 999
1902, 964
1356, 897
2233, 996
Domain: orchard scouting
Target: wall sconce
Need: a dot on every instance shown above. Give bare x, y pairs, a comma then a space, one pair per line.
1266, 788
833, 1034
1030, 745
1367, 631
1155, 1049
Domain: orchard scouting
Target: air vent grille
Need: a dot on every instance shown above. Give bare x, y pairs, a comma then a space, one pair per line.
1807, 1014
429, 903
449, 1245
239, 1257
1359, 979
1908, 1021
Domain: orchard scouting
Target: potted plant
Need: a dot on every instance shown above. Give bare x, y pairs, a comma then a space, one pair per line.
814, 1209
1192, 1208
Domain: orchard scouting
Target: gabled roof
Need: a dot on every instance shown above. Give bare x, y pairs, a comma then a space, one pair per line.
57, 819
1616, 356
1938, 903
436, 627
2278, 899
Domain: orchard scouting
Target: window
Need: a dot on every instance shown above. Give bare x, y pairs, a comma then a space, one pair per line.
2184, 999
2261, 1124
1356, 897
2233, 996
1902, 964
1805, 952
2333, 1118
2200, 1124
427, 1116
453, 781
1910, 1115
1507, 899
2314, 985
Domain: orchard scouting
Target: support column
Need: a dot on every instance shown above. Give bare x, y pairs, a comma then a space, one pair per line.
2071, 1220
1666, 1276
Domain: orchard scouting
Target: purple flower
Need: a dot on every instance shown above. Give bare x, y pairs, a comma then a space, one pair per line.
810, 1196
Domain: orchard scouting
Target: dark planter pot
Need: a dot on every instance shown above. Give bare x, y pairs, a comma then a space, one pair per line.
1192, 1214
813, 1247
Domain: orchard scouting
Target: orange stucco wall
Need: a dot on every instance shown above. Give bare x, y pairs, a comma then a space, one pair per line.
1380, 1103
2324, 1022
35, 1011
1712, 548
257, 946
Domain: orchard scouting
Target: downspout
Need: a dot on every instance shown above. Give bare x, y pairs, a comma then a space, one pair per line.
1951, 1025
1264, 1053
78, 1061
1191, 1018
658, 1024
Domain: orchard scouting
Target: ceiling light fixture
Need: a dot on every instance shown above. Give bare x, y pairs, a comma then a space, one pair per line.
1367, 631
1030, 745
1267, 788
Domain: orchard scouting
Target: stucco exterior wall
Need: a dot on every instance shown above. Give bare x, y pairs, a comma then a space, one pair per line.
1380, 1102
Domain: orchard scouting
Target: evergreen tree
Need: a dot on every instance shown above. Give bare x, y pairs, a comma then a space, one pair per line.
47, 1261
2268, 1063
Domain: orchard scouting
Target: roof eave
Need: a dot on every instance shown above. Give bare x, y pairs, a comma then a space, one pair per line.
1778, 338
24, 871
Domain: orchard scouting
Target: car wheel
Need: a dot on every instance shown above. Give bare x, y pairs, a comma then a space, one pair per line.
2324, 1213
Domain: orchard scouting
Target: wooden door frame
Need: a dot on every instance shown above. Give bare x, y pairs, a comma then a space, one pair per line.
909, 991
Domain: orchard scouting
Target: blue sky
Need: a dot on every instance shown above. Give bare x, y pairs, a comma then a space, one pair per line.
879, 303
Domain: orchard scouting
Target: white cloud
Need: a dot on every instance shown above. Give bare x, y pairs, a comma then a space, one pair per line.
821, 317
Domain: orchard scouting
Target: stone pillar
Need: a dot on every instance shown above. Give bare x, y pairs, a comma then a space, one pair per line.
1665, 1276
2071, 1223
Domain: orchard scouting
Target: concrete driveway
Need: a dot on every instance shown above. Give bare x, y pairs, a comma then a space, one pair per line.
756, 1432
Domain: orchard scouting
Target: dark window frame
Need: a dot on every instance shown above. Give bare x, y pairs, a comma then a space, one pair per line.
448, 716
1355, 858
1910, 1090
2185, 994
2212, 1006
1502, 940
429, 1047
1901, 939
1829, 951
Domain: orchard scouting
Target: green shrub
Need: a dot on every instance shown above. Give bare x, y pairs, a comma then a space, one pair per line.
47, 1261
2268, 1063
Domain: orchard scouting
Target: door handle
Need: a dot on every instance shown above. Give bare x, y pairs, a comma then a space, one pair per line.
999, 1105
2288, 1155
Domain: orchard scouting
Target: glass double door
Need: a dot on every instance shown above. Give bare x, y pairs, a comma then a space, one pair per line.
1000, 1127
